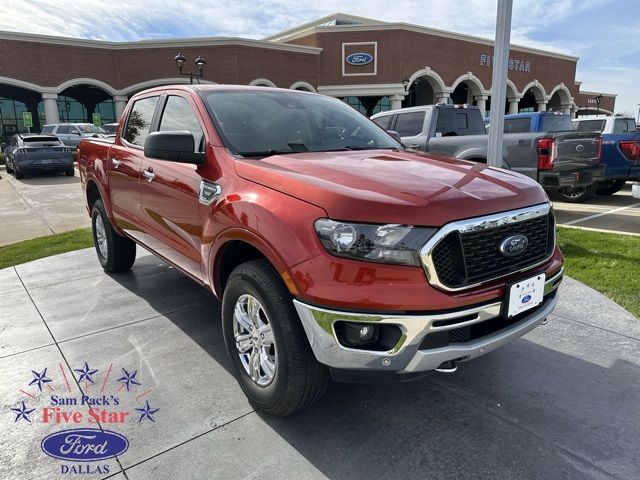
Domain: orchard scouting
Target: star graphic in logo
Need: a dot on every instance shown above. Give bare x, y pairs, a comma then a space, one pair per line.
86, 373
146, 412
40, 378
129, 379
23, 412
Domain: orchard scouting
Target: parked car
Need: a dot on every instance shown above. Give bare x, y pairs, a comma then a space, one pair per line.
535, 122
29, 153
110, 128
71, 133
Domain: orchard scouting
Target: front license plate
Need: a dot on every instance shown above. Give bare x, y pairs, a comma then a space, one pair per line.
525, 295
47, 161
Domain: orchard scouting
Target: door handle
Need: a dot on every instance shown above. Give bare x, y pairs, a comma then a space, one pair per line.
115, 162
148, 174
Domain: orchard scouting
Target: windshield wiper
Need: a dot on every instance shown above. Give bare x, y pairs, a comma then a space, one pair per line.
266, 153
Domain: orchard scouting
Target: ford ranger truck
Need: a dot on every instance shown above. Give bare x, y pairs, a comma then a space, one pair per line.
565, 163
620, 150
336, 253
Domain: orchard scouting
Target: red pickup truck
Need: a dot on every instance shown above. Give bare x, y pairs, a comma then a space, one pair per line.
336, 252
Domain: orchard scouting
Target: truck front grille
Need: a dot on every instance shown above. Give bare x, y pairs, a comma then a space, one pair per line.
467, 253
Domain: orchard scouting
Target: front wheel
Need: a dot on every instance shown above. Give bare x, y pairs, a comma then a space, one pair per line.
115, 252
610, 187
578, 194
266, 343
8, 166
70, 172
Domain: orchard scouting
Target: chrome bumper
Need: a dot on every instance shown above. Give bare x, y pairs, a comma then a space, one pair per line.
406, 357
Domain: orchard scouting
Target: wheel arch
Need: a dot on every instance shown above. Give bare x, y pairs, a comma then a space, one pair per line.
236, 248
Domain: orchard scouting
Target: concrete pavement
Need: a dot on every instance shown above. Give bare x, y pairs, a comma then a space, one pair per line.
40, 205
562, 402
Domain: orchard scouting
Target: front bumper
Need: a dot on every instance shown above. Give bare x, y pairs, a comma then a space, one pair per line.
411, 354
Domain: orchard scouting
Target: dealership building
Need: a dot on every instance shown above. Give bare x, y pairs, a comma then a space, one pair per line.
370, 64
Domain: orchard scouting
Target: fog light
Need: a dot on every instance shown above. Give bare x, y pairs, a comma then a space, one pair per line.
358, 333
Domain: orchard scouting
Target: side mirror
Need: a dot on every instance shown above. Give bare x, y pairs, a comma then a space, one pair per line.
174, 147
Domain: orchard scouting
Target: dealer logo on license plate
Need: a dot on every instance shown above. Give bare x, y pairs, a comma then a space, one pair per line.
525, 295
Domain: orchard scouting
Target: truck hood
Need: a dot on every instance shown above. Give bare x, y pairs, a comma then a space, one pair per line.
383, 186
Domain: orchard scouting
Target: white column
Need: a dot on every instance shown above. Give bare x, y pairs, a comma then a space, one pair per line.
566, 109
542, 105
513, 105
120, 104
51, 108
442, 97
396, 101
481, 103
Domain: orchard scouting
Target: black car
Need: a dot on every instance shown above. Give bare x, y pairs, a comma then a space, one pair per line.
29, 153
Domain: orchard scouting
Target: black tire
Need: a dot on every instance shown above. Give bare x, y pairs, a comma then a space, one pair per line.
70, 172
19, 175
577, 195
115, 252
609, 187
297, 380
7, 165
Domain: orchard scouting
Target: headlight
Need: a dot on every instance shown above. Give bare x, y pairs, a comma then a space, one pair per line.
391, 243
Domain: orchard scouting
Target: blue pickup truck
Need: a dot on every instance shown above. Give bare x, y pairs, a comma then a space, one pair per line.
620, 150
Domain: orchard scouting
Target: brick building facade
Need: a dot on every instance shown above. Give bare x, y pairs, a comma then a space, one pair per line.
371, 64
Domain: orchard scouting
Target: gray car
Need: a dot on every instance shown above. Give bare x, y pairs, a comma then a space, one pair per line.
29, 153
72, 133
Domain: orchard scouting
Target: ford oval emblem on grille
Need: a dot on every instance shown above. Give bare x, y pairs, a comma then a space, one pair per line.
579, 147
512, 246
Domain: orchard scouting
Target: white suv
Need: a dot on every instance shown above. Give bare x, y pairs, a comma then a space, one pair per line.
71, 133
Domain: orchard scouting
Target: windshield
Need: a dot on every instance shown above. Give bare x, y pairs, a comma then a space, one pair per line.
261, 123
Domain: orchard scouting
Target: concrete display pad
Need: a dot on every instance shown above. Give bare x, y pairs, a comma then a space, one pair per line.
562, 402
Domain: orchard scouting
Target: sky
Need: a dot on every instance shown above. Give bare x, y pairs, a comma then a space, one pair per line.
605, 34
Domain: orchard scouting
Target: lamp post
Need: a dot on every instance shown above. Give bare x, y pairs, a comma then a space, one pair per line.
598, 99
406, 81
180, 59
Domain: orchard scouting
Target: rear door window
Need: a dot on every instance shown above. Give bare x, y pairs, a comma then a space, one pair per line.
138, 124
590, 125
63, 130
409, 124
47, 129
459, 121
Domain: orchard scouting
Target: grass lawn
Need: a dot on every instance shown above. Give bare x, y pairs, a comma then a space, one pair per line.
605, 262
29, 250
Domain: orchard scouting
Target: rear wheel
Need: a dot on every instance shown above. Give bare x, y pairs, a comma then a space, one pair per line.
70, 172
115, 252
266, 343
609, 187
578, 194
19, 175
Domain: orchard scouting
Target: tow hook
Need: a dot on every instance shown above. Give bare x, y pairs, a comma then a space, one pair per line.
544, 321
447, 367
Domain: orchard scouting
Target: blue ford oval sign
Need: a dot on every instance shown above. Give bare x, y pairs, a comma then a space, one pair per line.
359, 59
84, 445
526, 298
513, 245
